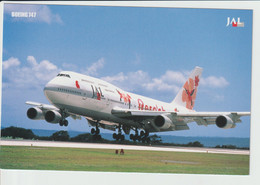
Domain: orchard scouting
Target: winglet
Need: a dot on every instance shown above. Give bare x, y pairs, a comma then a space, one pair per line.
187, 95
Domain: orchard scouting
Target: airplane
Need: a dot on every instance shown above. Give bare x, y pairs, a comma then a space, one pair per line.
109, 107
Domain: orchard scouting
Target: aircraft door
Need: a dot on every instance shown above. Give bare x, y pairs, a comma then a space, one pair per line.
98, 98
97, 93
87, 91
107, 99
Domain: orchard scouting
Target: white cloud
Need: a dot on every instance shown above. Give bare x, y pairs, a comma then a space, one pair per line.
93, 69
174, 77
43, 13
131, 81
45, 65
37, 74
138, 76
170, 82
141, 80
160, 85
214, 82
30, 75
120, 77
69, 67
11, 62
31, 60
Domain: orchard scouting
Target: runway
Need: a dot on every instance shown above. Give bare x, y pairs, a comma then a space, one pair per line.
118, 146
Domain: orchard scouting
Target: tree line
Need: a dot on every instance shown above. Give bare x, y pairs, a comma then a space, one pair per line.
17, 132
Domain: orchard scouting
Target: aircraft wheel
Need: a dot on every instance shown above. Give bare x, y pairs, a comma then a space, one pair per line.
65, 123
114, 136
134, 138
142, 133
117, 137
61, 123
93, 131
122, 137
97, 131
131, 136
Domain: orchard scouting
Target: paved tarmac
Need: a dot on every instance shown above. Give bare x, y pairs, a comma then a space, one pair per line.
118, 146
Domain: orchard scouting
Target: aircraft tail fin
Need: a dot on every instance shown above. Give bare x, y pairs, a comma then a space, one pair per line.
187, 95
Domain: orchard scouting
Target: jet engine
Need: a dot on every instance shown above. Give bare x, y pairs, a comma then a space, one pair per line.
162, 122
53, 116
225, 122
35, 113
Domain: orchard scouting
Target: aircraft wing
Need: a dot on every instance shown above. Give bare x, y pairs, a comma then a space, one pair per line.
46, 107
135, 113
207, 118
180, 119
42, 106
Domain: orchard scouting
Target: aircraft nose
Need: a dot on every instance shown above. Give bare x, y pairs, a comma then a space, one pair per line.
51, 88
49, 85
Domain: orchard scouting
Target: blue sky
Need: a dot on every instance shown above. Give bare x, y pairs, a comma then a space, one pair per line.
148, 51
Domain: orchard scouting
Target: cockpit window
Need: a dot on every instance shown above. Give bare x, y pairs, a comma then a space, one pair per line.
66, 75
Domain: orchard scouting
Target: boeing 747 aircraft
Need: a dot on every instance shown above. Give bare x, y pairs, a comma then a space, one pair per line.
107, 106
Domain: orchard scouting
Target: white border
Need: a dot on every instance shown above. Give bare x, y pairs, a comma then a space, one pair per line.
30, 177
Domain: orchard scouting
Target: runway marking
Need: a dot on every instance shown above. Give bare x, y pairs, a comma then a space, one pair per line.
179, 162
118, 147
34, 148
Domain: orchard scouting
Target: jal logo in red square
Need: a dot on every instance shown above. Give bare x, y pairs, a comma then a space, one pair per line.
234, 22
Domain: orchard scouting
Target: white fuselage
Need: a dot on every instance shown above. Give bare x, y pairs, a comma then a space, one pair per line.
94, 98
109, 107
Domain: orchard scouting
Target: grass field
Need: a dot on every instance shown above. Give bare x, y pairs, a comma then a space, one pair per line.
74, 159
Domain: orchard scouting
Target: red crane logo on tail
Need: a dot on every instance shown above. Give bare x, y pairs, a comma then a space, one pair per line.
190, 91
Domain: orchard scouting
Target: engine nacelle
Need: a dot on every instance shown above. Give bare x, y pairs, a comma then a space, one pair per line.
225, 122
53, 116
162, 122
35, 113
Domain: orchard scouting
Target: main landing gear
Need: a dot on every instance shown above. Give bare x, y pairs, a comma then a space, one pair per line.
95, 132
119, 136
63, 122
143, 137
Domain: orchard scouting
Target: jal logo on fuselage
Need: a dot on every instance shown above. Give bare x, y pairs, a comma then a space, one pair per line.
234, 22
